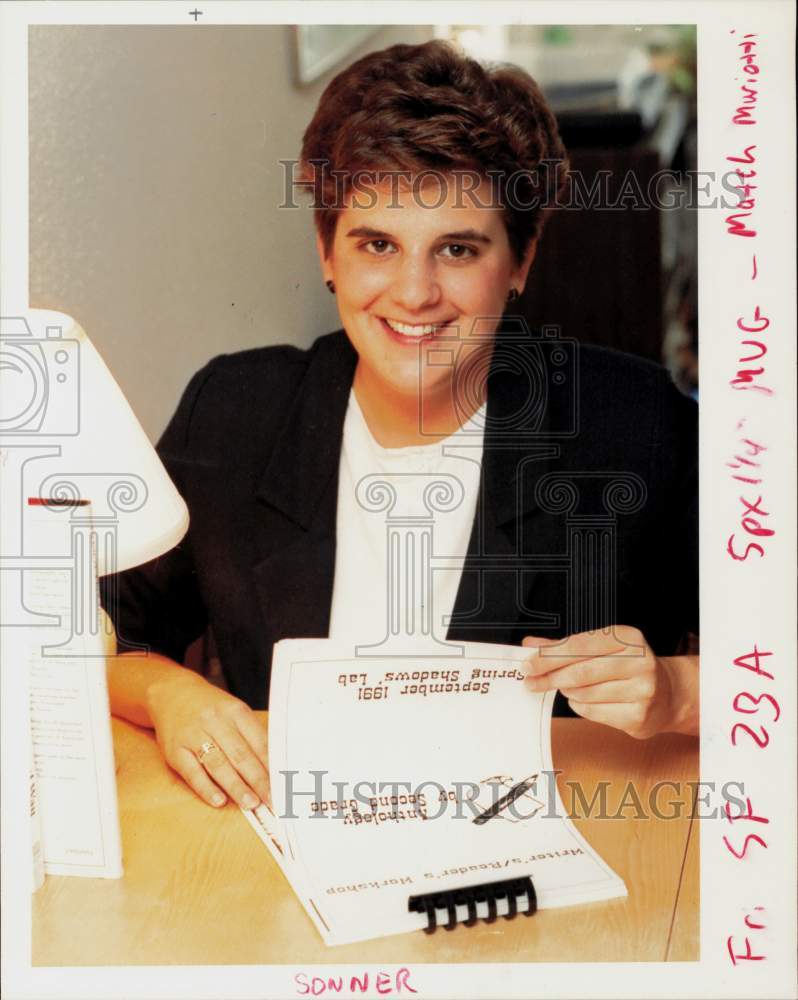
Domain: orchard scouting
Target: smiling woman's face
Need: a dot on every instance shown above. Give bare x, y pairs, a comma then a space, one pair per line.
413, 285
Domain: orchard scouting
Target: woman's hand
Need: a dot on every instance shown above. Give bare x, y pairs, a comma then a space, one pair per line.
213, 740
613, 677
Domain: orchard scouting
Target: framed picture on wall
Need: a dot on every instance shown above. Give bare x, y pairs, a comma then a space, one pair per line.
320, 47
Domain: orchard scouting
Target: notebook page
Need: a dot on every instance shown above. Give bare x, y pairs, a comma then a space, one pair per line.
385, 764
268, 828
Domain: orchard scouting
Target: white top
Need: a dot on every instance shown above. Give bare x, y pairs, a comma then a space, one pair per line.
391, 492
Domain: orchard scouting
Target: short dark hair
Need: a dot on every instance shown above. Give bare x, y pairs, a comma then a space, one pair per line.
430, 107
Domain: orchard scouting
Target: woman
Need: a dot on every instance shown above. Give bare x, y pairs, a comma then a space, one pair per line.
430, 175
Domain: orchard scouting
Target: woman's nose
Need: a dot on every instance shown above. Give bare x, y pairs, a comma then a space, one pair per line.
415, 286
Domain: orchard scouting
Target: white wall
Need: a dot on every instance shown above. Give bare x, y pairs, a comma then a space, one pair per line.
154, 194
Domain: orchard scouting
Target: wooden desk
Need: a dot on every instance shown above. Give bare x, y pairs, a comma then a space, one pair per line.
201, 889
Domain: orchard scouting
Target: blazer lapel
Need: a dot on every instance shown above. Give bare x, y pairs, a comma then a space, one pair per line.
298, 491
305, 457
519, 448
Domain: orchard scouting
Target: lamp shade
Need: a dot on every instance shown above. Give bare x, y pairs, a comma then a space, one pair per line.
68, 434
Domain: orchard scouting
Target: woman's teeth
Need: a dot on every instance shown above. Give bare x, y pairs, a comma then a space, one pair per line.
414, 330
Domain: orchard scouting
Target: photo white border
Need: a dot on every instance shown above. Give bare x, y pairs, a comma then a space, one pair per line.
741, 602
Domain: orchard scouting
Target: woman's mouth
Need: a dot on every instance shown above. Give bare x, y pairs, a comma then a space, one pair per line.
412, 333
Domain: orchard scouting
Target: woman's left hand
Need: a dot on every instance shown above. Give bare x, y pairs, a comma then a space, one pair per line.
612, 676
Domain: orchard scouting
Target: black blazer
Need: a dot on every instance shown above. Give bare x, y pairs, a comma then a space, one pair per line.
587, 514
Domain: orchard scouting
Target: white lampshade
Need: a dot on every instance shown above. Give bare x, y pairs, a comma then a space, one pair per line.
67, 431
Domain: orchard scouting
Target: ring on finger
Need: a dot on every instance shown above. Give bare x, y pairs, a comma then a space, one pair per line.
207, 747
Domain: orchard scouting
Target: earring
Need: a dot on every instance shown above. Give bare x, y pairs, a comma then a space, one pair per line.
512, 295
330, 286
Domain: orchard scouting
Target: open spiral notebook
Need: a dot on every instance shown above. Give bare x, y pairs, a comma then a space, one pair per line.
411, 793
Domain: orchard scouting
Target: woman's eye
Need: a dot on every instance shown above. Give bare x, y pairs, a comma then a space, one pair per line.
457, 251
379, 248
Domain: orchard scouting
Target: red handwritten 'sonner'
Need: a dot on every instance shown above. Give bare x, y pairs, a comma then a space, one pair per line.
385, 983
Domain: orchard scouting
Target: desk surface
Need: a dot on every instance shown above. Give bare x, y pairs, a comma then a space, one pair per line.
201, 889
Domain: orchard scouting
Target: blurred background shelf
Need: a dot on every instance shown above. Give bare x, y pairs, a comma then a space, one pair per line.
617, 264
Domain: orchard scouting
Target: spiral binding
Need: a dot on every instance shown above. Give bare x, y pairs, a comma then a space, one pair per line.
511, 889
